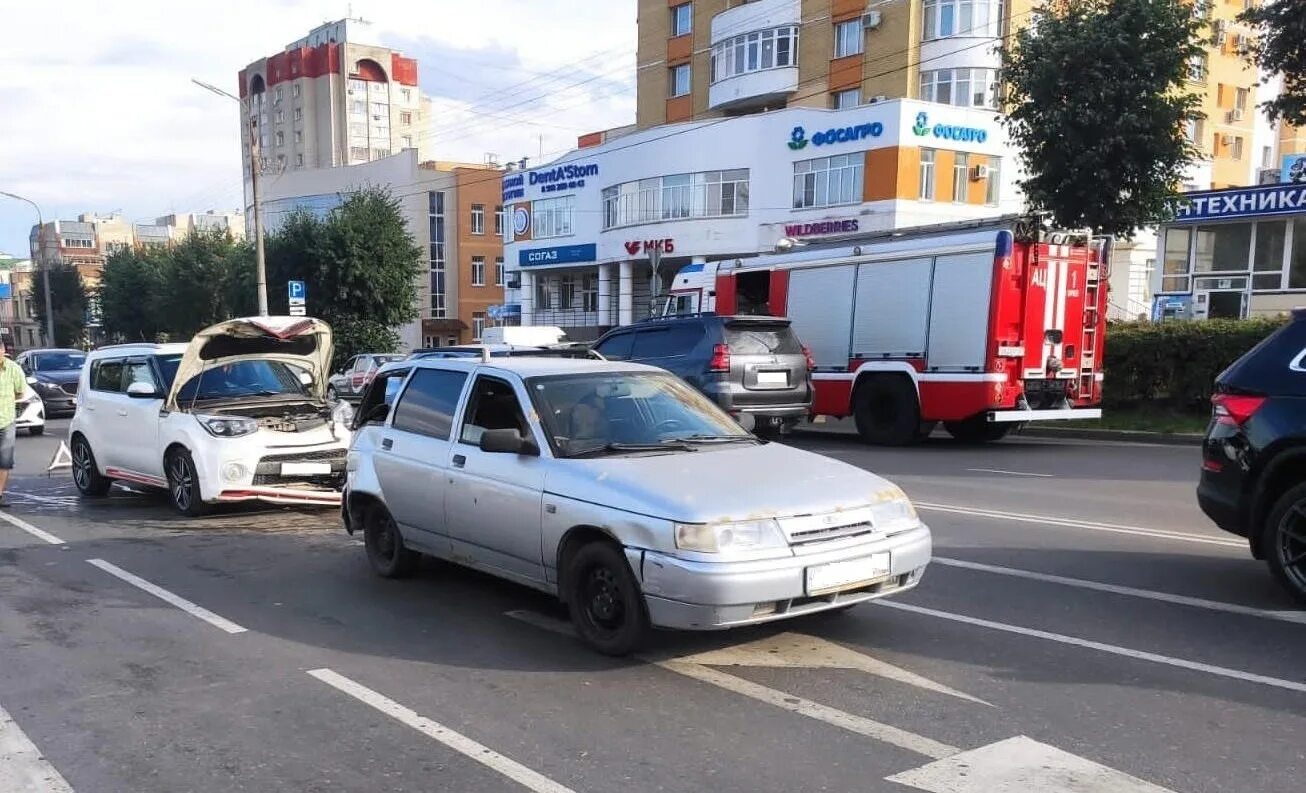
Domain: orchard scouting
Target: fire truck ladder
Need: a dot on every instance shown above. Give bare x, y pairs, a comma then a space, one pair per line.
1092, 311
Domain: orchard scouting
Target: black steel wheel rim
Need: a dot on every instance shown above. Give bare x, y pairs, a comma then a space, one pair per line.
82, 465
604, 607
1291, 544
182, 482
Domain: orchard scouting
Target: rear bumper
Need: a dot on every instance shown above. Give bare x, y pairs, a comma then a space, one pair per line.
1223, 507
1069, 414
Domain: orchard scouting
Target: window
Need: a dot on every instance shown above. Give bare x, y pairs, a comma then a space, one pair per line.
278, 95
697, 195
407, 94
842, 100
358, 152
828, 181
478, 218
294, 91
500, 221
358, 107
1193, 131
552, 217
106, 375
1236, 150
435, 211
478, 321
498, 271
380, 110
1267, 156
944, 18
961, 87
478, 272
280, 116
1240, 97
299, 160
281, 139
406, 117
617, 347
1297, 263
299, 136
566, 292
960, 177
1223, 248
589, 292
492, 405
428, 403
774, 48
993, 189
656, 343
1268, 256
138, 371
679, 80
1197, 68
543, 293
299, 113
406, 142
682, 19
848, 38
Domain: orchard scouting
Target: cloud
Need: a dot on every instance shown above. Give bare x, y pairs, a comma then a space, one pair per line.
105, 116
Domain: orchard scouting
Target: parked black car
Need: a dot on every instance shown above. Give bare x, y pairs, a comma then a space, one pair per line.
754, 367
1254, 457
53, 375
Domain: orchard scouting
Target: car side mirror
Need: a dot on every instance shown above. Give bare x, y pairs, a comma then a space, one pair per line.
508, 441
142, 391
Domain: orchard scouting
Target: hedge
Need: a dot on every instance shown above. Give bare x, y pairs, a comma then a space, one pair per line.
1175, 362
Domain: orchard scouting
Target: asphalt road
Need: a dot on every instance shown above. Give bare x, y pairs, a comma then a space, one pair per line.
1082, 622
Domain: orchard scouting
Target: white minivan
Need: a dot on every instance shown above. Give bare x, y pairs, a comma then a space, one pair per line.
239, 414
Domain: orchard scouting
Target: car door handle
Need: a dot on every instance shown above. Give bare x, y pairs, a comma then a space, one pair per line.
459, 461
387, 444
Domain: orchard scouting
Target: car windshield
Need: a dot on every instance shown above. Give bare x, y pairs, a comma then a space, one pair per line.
60, 361
627, 411
243, 378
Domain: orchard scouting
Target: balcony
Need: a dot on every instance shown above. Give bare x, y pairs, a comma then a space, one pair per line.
754, 59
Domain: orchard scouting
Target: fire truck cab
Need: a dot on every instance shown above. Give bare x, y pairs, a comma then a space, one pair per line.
981, 326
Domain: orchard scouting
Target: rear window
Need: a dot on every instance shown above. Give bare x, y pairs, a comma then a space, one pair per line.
1275, 367
758, 338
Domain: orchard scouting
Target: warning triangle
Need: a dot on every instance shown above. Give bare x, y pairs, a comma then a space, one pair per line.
63, 458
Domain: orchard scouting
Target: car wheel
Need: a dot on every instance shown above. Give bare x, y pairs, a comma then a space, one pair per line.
1284, 541
86, 474
977, 430
603, 597
184, 484
37, 430
385, 545
887, 412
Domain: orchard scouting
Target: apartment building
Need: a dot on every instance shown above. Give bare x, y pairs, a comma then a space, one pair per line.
331, 99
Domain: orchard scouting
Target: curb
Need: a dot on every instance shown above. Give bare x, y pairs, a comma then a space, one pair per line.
1063, 433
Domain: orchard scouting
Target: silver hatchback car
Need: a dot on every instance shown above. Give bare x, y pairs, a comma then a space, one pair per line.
623, 491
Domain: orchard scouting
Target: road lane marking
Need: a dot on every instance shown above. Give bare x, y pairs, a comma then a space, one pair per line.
798, 651
1112, 528
1008, 473
40, 534
885, 733
1298, 617
1020, 764
460, 743
199, 612
22, 768
1141, 655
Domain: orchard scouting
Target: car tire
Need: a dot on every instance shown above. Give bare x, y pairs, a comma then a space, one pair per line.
977, 430
86, 472
1283, 541
604, 600
184, 484
385, 545
34, 431
886, 411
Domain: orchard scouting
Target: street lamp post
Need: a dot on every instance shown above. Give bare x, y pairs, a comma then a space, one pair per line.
45, 270
251, 128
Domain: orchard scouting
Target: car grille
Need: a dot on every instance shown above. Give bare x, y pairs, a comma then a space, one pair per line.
70, 388
823, 534
268, 470
840, 524
307, 457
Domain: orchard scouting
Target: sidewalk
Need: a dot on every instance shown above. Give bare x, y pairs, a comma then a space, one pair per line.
1050, 429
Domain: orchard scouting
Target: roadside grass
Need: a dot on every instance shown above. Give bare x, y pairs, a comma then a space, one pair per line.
1146, 418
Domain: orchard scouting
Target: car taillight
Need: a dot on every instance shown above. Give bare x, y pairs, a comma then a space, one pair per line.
720, 358
1235, 409
811, 362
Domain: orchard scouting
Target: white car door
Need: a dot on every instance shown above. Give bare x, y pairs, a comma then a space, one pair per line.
493, 500
138, 418
99, 420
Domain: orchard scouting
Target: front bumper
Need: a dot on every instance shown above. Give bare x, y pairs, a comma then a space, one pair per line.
276, 495
30, 414
690, 595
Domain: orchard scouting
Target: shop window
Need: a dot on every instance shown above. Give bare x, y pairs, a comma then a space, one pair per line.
1297, 263
993, 188
960, 178
1174, 265
828, 181
927, 175
1268, 258
1223, 248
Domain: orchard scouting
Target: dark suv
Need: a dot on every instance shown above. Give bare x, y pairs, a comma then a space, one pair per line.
1254, 456
752, 366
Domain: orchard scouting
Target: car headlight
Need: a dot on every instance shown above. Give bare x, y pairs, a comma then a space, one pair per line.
227, 426
744, 535
892, 510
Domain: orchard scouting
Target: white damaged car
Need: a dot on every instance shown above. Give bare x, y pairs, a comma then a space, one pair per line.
239, 414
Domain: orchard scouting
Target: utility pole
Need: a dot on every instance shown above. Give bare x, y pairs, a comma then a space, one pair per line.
42, 263
250, 126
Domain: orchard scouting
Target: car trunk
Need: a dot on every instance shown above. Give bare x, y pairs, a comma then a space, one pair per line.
766, 355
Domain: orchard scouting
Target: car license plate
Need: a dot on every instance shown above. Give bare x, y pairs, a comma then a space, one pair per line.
835, 576
305, 469
773, 378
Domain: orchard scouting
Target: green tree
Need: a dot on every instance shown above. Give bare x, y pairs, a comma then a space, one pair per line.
359, 263
130, 295
194, 282
68, 300
1279, 48
1098, 98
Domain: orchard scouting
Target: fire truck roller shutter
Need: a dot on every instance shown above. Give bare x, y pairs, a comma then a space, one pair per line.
891, 316
963, 283
821, 306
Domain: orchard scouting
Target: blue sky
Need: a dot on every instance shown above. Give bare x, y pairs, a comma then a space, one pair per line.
105, 117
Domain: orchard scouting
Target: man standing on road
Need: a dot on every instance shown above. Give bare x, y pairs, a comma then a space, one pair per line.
12, 384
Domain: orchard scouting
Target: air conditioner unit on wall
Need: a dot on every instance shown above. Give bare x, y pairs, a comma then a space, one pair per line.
1267, 176
979, 173
1236, 114
871, 19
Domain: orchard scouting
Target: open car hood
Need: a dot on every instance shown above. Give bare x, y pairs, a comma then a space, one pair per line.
299, 341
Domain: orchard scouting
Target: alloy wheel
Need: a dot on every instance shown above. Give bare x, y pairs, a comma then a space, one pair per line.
82, 465
1290, 544
181, 481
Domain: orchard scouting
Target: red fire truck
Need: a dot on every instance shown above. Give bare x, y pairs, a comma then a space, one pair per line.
980, 325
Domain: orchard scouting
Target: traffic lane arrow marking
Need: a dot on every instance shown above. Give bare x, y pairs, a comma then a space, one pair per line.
1020, 765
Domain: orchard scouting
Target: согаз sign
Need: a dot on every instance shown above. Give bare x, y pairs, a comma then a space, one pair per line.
563, 254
